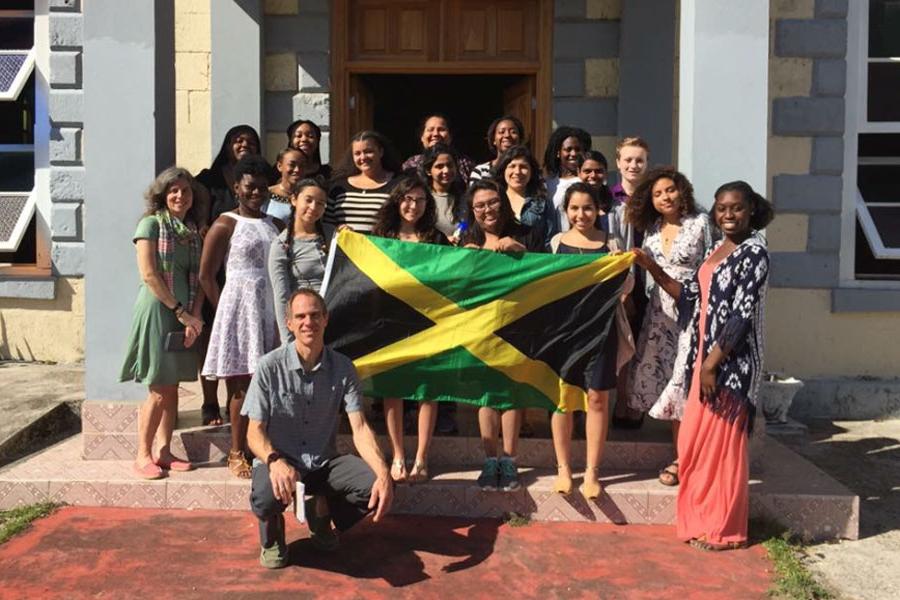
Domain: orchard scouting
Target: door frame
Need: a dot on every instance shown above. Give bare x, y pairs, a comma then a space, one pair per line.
342, 68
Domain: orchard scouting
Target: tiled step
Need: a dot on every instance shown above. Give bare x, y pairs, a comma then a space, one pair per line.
789, 490
110, 433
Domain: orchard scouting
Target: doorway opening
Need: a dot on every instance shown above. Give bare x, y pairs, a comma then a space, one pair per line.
396, 104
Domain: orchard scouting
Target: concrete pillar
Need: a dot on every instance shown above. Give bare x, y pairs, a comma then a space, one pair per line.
128, 46
647, 75
723, 93
235, 67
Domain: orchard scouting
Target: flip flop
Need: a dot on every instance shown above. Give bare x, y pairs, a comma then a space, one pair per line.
669, 475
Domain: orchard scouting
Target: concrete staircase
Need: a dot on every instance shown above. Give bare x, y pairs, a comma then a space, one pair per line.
94, 469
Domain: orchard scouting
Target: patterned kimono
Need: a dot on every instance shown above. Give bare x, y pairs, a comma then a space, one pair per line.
735, 322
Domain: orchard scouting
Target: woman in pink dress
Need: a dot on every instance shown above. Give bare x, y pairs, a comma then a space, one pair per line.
723, 308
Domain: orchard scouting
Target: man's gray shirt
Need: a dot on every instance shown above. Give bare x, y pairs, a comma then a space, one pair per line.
300, 408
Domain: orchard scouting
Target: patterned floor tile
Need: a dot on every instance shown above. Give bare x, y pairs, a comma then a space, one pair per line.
497, 504
22, 493
79, 493
661, 507
191, 495
446, 500
137, 494
102, 446
109, 417
237, 495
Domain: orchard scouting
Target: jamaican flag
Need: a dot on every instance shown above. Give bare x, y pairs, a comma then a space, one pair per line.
429, 322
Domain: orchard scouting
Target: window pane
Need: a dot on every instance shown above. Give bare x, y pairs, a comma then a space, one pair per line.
879, 144
17, 117
884, 91
884, 28
26, 254
887, 222
879, 183
16, 34
867, 266
16, 172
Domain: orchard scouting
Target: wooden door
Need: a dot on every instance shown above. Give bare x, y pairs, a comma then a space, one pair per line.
361, 105
520, 101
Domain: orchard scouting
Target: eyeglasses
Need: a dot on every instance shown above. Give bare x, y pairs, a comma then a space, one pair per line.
481, 207
413, 199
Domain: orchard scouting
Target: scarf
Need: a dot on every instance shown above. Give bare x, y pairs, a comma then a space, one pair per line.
173, 230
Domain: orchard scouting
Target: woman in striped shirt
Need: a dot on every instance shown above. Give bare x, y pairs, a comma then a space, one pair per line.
363, 182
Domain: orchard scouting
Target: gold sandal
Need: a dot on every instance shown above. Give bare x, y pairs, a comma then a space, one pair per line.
238, 465
591, 489
400, 467
419, 472
563, 484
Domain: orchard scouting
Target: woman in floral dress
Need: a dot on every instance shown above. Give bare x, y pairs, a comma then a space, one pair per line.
677, 237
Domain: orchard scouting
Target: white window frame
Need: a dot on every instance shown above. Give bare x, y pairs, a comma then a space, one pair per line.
40, 194
856, 122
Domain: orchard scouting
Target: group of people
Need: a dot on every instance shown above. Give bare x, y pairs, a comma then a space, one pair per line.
232, 262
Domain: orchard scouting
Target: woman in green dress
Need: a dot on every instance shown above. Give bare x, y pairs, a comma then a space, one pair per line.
169, 302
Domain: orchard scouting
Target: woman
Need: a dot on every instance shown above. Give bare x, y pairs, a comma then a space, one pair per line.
168, 307
306, 136
435, 129
362, 183
440, 169
518, 174
561, 166
218, 179
677, 237
290, 165
493, 226
218, 184
409, 215
592, 167
632, 155
245, 327
584, 237
297, 256
722, 306
504, 133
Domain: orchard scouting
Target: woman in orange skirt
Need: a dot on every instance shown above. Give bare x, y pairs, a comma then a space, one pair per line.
723, 308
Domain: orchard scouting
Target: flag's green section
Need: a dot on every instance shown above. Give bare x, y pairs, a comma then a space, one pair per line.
475, 277
458, 376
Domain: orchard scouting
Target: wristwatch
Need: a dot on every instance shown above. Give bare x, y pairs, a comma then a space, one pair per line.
272, 458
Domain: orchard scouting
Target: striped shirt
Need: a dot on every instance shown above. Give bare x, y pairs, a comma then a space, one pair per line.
356, 207
482, 171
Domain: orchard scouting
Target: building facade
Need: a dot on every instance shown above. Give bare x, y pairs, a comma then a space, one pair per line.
798, 97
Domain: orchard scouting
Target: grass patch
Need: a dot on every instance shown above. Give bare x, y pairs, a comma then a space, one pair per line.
18, 519
514, 519
793, 579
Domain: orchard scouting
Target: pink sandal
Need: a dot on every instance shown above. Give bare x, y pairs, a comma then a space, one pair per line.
175, 464
148, 471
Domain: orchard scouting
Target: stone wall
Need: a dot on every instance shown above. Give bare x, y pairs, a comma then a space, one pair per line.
66, 120
815, 328
296, 70
192, 93
586, 69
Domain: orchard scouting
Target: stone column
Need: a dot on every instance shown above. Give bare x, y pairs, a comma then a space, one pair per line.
723, 94
129, 125
235, 73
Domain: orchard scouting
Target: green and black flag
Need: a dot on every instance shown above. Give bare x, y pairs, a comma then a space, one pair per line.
429, 322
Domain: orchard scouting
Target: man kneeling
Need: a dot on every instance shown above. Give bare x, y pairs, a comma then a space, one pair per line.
293, 404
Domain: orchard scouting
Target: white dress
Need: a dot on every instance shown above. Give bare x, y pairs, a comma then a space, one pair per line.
244, 328
658, 343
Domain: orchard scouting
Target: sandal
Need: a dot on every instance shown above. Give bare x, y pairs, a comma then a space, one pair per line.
563, 484
591, 489
210, 415
398, 471
238, 465
419, 472
149, 471
669, 475
702, 544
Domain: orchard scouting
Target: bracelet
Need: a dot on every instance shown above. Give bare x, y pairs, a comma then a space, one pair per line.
179, 307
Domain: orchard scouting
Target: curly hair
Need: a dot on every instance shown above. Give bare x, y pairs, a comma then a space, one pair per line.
387, 220
559, 135
535, 187
389, 160
155, 196
639, 210
761, 210
492, 130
